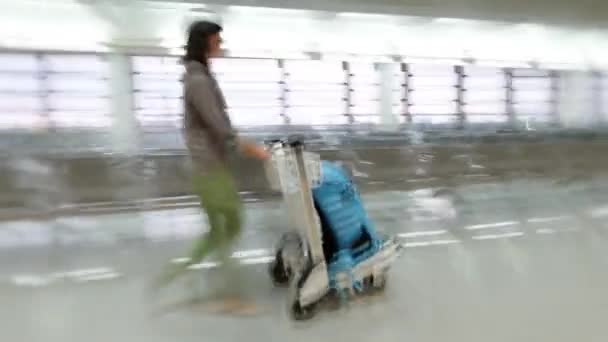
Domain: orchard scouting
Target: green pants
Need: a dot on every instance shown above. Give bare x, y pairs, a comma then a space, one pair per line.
220, 199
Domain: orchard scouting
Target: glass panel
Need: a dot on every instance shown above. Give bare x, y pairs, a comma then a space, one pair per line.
272, 89
243, 65
253, 102
497, 108
19, 83
154, 64
370, 108
315, 71
20, 103
312, 110
143, 78
531, 83
159, 111
161, 118
19, 63
158, 90
484, 83
258, 76
367, 119
531, 120
432, 91
433, 109
437, 96
434, 119
433, 81
77, 84
530, 73
146, 84
255, 116
21, 120
540, 109
309, 98
78, 88
430, 69
365, 93
75, 63
485, 72
316, 91
317, 120
79, 119
604, 94
174, 104
323, 87
493, 96
531, 96
485, 93
477, 119
253, 94
67, 103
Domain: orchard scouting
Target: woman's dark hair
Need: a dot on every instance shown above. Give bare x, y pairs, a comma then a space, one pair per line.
197, 47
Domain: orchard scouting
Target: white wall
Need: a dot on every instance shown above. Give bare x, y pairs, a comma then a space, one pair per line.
562, 12
64, 24
575, 103
58, 24
69, 25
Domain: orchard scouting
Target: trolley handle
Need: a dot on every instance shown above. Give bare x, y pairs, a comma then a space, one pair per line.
292, 141
295, 141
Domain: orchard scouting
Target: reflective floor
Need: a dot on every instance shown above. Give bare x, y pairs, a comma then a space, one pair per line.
509, 261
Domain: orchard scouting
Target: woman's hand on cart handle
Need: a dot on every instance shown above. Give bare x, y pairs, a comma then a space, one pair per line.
253, 150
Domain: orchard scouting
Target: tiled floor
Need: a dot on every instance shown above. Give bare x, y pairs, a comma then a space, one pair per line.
516, 261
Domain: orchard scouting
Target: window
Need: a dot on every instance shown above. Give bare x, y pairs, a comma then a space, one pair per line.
316, 92
485, 95
252, 88
433, 94
365, 91
77, 90
157, 91
54, 90
532, 95
21, 106
604, 96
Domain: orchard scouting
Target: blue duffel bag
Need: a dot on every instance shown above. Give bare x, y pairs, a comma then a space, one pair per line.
346, 227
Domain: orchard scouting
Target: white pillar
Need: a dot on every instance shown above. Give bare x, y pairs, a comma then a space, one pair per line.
575, 102
388, 118
125, 131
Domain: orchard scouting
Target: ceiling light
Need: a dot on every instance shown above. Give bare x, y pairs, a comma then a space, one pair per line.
450, 20
358, 15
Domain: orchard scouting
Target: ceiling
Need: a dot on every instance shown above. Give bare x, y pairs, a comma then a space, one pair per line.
581, 13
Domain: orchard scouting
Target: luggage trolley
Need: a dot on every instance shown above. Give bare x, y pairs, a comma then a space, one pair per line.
325, 253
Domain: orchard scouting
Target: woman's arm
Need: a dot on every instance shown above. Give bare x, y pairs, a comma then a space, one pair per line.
252, 149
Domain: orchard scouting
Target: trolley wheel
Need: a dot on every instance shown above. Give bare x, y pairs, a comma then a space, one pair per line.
300, 313
277, 271
368, 284
374, 285
379, 283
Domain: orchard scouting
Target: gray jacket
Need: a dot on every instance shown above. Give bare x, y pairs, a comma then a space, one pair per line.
209, 134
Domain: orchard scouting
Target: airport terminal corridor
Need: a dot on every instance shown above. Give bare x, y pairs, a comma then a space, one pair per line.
501, 261
475, 131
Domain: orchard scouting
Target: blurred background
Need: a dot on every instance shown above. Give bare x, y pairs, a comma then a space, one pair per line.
474, 128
